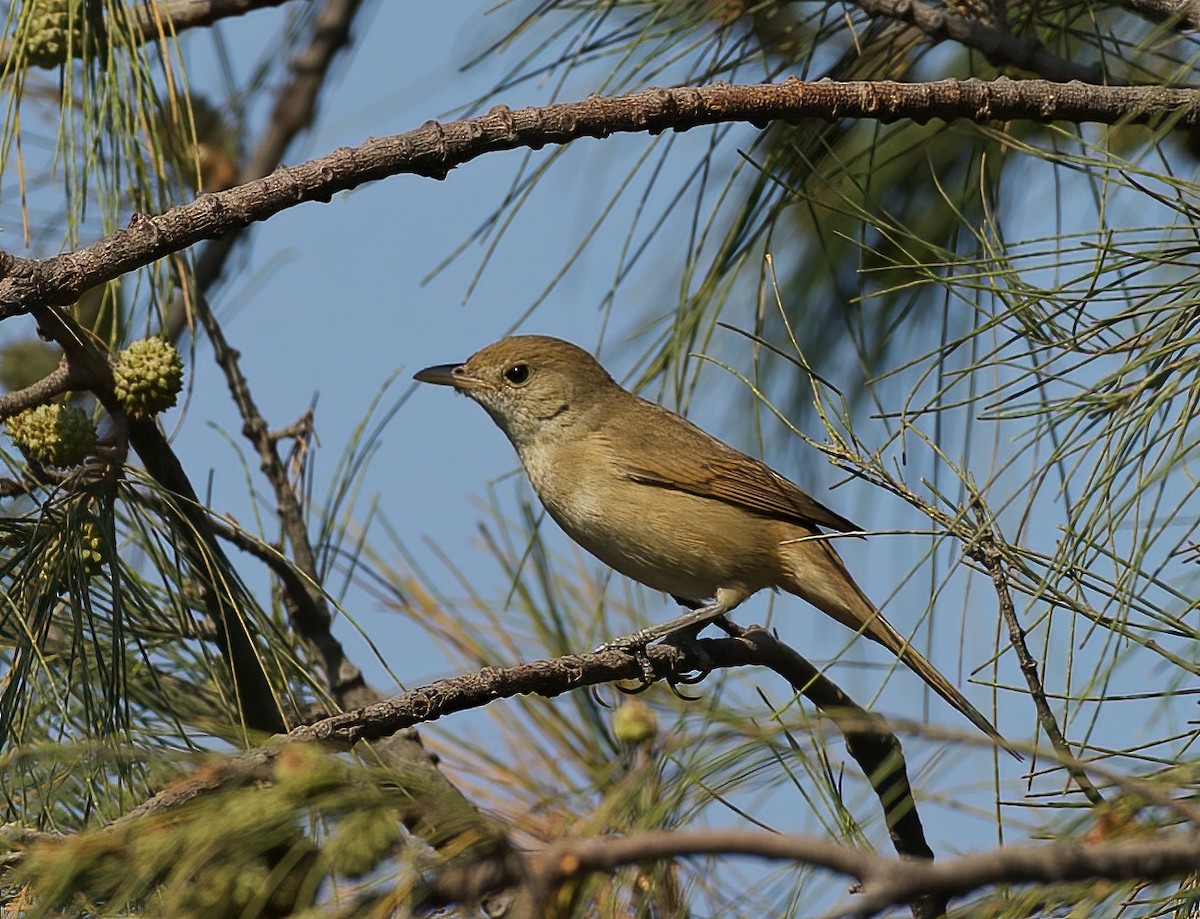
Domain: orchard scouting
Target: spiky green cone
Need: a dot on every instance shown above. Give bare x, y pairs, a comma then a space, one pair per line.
364, 839
148, 376
58, 435
48, 36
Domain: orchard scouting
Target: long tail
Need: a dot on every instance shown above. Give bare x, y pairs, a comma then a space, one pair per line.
819, 576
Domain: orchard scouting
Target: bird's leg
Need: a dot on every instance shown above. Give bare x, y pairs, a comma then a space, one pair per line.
696, 618
682, 629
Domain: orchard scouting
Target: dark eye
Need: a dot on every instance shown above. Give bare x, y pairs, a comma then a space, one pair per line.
517, 374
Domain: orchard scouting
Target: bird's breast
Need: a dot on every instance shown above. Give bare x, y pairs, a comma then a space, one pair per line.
686, 545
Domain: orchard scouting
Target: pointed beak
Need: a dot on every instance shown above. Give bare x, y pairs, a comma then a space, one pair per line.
447, 375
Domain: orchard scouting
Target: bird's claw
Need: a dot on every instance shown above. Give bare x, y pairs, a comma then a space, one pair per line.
634, 645
684, 639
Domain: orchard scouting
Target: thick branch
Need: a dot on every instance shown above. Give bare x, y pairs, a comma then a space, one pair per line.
434, 149
548, 678
885, 881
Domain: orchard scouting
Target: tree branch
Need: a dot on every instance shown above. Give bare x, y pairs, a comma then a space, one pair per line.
58, 381
553, 677
885, 881
997, 44
984, 549
434, 149
89, 362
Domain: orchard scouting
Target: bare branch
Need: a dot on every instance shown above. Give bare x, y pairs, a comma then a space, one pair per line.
551, 678
434, 149
58, 381
885, 881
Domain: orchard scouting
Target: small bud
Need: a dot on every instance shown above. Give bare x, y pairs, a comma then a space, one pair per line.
634, 723
91, 547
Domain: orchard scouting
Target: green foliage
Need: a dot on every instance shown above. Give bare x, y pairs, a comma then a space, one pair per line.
265, 848
26, 361
991, 328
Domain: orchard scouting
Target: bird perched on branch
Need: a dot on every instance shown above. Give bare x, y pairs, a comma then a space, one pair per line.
653, 496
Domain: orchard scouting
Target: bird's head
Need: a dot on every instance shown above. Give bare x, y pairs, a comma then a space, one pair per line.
531, 385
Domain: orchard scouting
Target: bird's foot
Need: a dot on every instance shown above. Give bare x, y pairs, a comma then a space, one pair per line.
634, 645
684, 639
630, 643
682, 633
688, 641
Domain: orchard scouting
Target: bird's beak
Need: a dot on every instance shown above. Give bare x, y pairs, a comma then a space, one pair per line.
446, 375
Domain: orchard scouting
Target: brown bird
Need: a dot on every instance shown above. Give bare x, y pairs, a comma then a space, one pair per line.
653, 496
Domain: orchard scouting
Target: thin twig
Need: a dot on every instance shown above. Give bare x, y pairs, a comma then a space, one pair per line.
293, 112
985, 550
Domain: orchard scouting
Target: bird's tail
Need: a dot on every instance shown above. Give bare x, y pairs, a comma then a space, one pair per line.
819, 577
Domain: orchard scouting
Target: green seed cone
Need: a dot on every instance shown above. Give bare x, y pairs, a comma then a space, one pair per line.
59, 435
148, 376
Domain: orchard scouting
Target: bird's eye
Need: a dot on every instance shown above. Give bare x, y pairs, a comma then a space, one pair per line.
517, 374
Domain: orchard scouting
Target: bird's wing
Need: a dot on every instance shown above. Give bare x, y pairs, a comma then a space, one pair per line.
701, 465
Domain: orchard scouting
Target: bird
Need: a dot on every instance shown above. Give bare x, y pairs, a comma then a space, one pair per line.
661, 501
